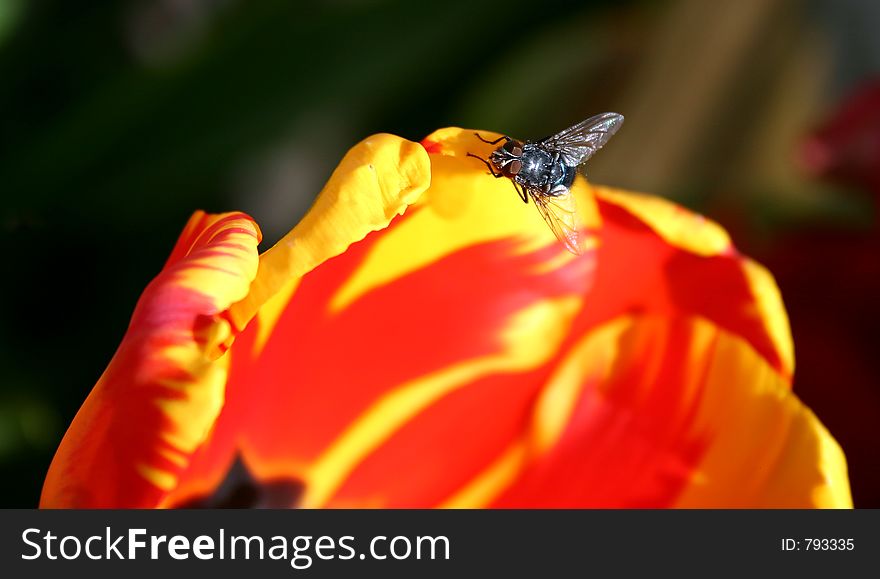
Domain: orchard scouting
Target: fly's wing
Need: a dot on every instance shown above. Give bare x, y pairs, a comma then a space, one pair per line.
560, 213
576, 144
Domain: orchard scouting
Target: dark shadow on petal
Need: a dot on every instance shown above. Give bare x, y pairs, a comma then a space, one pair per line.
242, 490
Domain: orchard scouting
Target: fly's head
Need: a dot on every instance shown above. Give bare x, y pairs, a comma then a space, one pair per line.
507, 159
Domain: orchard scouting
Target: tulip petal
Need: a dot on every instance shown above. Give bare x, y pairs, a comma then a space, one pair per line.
464, 207
674, 318
657, 257
673, 223
672, 413
164, 387
378, 344
375, 181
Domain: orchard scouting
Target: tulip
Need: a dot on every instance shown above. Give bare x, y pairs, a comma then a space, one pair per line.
421, 339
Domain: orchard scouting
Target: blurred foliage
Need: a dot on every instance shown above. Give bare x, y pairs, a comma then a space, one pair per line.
122, 117
138, 139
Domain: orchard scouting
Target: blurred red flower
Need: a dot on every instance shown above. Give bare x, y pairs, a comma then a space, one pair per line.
846, 147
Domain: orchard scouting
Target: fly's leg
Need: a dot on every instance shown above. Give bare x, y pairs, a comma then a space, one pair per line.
521, 191
488, 166
504, 138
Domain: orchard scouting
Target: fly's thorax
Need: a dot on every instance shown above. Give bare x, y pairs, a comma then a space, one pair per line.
536, 163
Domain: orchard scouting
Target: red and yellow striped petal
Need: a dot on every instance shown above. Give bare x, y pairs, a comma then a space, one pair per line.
676, 384
647, 412
469, 287
459, 356
132, 441
165, 385
693, 268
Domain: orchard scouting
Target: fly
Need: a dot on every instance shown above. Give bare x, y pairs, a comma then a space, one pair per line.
545, 170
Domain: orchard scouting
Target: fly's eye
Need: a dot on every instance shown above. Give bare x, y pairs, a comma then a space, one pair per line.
513, 148
512, 168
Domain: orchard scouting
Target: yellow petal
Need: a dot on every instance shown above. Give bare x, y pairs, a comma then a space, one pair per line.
464, 207
376, 181
675, 224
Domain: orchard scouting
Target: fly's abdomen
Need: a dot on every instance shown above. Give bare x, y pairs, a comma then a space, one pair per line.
563, 175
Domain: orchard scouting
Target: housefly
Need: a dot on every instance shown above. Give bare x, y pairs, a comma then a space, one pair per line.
545, 170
